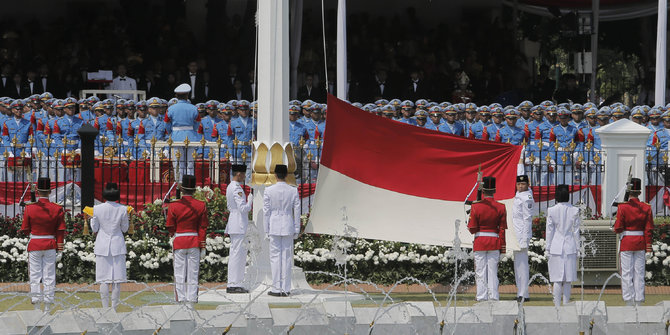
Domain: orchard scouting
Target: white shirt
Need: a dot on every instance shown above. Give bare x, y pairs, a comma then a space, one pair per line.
124, 83
192, 75
522, 217
110, 221
239, 208
44, 83
281, 210
563, 223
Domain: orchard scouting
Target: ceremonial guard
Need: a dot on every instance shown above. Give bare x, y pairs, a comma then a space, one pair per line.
187, 221
243, 127
510, 133
281, 215
407, 113
634, 224
421, 117
522, 218
450, 126
488, 222
562, 231
110, 221
45, 222
436, 119
15, 134
224, 130
296, 128
153, 126
183, 117
239, 206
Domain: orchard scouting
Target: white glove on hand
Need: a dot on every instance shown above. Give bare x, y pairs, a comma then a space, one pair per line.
59, 256
203, 253
267, 237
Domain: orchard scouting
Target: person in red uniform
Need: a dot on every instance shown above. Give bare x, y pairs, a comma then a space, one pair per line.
634, 223
488, 222
187, 221
45, 222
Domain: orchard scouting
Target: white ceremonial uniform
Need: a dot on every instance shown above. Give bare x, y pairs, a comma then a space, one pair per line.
522, 219
281, 208
110, 221
123, 83
239, 207
563, 224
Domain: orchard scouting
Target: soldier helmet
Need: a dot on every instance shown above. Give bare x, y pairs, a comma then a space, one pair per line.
489, 183
44, 184
188, 182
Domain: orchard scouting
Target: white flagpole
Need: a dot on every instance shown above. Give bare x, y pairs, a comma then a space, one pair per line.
341, 49
661, 35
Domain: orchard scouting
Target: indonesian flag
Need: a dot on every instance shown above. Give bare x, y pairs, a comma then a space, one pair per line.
393, 181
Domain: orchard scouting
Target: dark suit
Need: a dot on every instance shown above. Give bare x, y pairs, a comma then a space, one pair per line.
16, 92
316, 94
151, 87
36, 89
197, 90
421, 91
5, 85
375, 91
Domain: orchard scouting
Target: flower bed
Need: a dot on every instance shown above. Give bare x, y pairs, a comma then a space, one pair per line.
150, 254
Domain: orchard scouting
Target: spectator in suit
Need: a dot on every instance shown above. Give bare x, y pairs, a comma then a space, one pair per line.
48, 83
381, 88
123, 82
197, 81
5, 77
416, 88
32, 85
309, 91
240, 92
150, 84
16, 89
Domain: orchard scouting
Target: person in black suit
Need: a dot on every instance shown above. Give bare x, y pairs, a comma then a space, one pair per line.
310, 91
381, 88
196, 79
16, 89
416, 88
150, 84
32, 85
241, 92
5, 78
48, 83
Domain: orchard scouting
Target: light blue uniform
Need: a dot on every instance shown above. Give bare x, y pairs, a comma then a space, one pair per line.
183, 118
455, 128
244, 130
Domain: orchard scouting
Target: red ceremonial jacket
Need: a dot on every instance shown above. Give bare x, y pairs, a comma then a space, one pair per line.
44, 218
187, 215
634, 215
488, 216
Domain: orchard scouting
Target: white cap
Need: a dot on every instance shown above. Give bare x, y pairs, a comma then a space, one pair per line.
183, 88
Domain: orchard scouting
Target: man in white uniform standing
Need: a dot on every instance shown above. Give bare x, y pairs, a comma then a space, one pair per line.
281, 215
239, 206
563, 225
522, 217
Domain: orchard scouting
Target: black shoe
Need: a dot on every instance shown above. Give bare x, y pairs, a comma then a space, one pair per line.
275, 294
285, 294
236, 290
520, 299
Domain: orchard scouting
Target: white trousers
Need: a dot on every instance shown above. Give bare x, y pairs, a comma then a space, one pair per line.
521, 272
237, 260
486, 272
186, 267
632, 275
42, 268
186, 161
562, 289
104, 294
281, 262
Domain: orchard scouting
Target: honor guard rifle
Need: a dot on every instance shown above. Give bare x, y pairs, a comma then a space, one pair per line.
479, 184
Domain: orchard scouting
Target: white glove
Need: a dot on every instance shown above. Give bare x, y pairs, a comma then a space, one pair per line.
203, 253
59, 256
295, 236
267, 237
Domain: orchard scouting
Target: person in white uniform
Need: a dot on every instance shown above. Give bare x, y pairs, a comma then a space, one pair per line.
281, 216
110, 221
563, 225
238, 220
522, 218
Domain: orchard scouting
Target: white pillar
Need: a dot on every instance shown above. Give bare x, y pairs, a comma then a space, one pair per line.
342, 49
661, 40
595, 7
273, 71
624, 144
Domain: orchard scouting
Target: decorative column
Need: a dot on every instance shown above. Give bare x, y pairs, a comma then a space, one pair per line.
87, 134
624, 144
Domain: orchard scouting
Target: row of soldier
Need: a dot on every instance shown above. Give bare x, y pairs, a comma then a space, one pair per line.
561, 142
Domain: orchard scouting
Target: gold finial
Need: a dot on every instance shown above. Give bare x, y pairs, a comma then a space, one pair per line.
65, 139
169, 141
153, 141
177, 154
564, 158
48, 141
227, 155
136, 141
186, 142
547, 158
39, 155
309, 156
318, 142
219, 142
665, 157
532, 158
236, 142
31, 140
194, 154
572, 145
119, 140
14, 141
556, 145
244, 156
302, 142
103, 140
523, 143
57, 154
203, 142
211, 155
580, 158
6, 154
145, 154
589, 145
23, 153
649, 158
596, 158
540, 144
127, 154
161, 154
657, 145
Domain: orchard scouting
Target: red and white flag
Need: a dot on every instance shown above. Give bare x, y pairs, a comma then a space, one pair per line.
391, 181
